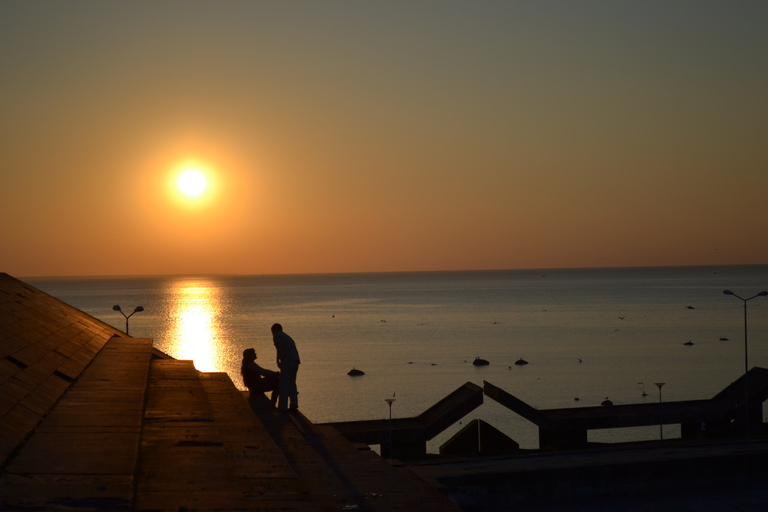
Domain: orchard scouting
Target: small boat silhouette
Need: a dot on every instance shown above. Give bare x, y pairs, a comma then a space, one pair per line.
354, 372
521, 362
480, 362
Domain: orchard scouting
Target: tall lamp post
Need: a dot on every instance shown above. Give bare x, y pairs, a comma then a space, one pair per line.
661, 432
746, 358
137, 310
389, 402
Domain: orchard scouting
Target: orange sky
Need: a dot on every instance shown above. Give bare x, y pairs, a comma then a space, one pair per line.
353, 137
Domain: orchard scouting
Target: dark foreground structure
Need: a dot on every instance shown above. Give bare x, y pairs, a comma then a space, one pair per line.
94, 420
719, 417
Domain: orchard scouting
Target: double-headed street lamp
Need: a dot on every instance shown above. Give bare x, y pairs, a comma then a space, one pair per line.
746, 358
137, 310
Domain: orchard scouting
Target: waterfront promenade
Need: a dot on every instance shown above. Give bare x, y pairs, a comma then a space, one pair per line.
94, 420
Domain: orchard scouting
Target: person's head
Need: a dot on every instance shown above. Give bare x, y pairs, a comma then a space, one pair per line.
276, 328
249, 354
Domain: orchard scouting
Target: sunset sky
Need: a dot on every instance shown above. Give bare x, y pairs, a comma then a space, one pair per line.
381, 136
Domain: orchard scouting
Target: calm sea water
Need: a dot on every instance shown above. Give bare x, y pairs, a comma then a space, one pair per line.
587, 334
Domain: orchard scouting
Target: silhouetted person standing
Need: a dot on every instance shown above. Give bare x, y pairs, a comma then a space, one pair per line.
288, 361
256, 378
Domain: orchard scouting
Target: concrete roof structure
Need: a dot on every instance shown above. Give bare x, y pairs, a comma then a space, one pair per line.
94, 420
720, 416
45, 345
409, 436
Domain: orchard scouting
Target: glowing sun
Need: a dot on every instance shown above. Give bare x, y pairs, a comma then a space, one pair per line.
192, 183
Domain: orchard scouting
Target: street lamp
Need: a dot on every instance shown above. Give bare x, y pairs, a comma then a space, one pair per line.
746, 358
389, 402
661, 432
137, 310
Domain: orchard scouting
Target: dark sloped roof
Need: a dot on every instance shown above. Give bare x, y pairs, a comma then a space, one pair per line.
95, 420
45, 344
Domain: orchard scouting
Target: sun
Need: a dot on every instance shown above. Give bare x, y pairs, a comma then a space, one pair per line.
192, 183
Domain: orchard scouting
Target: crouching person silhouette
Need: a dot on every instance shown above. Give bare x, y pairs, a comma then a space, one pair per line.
257, 379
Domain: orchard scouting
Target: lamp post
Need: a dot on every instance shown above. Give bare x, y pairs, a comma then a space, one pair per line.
389, 402
661, 432
137, 310
746, 359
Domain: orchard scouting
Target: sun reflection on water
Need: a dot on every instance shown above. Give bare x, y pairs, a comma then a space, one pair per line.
195, 327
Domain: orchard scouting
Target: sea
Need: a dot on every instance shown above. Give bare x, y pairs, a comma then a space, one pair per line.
587, 334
